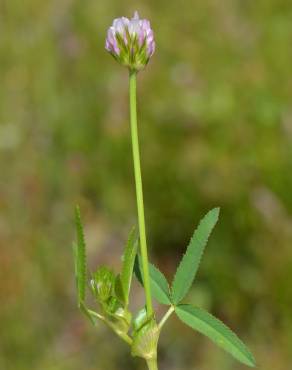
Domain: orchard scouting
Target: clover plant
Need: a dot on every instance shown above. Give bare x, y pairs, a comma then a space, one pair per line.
131, 42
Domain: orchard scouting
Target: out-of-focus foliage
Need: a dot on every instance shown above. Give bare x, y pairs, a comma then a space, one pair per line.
216, 129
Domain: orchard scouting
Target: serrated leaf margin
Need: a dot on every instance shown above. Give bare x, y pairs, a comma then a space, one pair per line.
160, 292
189, 264
216, 330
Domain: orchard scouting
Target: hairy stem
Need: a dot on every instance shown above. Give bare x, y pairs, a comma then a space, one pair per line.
152, 364
139, 191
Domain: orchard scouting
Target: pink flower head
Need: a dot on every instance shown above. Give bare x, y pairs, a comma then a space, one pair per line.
131, 41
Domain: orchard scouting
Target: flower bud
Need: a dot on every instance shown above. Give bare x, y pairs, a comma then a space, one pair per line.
102, 283
118, 315
131, 42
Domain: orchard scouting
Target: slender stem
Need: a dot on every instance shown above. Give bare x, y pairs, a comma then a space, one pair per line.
121, 334
95, 314
152, 364
139, 191
166, 317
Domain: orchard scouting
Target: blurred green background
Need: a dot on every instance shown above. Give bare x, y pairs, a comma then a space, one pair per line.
215, 119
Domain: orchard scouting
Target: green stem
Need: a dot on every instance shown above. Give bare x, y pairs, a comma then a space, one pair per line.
139, 191
121, 334
166, 317
152, 364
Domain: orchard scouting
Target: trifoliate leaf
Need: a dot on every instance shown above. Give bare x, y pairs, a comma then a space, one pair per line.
80, 258
189, 264
214, 329
128, 263
158, 284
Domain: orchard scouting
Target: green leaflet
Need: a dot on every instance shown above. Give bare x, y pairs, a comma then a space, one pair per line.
214, 329
80, 258
119, 290
158, 283
79, 249
128, 264
189, 264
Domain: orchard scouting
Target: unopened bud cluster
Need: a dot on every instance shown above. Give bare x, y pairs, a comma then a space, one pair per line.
131, 42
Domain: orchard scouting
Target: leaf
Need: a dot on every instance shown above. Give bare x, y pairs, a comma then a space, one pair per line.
119, 290
75, 252
80, 258
189, 264
214, 329
158, 284
128, 263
